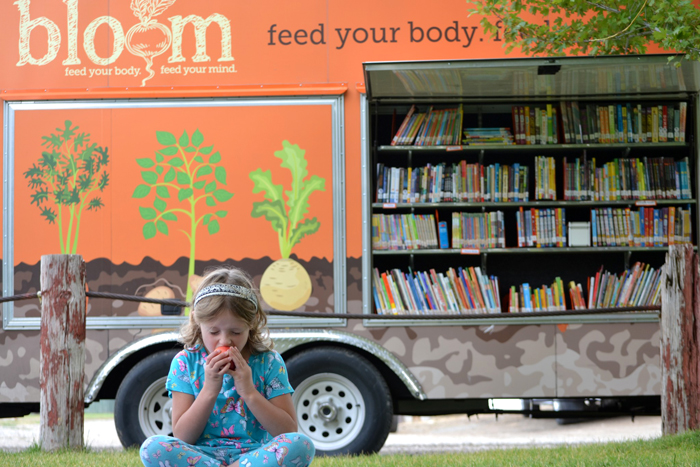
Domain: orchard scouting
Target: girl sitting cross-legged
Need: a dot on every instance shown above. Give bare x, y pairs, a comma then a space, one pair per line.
231, 406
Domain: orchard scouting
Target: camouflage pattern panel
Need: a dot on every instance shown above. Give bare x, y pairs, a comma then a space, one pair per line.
608, 359
20, 360
452, 362
119, 338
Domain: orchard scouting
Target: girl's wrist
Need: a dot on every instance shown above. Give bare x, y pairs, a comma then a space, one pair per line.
209, 390
247, 392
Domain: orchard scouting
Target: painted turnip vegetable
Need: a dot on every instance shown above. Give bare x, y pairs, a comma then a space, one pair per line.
285, 284
148, 38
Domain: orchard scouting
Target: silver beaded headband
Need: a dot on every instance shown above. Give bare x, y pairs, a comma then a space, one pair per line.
229, 290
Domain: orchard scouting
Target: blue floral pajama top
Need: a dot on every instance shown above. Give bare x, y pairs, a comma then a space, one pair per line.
231, 424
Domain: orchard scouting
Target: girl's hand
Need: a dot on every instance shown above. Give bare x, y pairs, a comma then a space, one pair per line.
215, 367
242, 375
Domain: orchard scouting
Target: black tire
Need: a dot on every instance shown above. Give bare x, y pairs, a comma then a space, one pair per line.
394, 424
343, 404
572, 421
142, 406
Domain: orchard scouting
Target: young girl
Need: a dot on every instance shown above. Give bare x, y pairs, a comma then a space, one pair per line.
230, 407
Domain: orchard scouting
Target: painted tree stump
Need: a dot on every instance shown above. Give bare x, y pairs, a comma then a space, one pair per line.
62, 352
680, 330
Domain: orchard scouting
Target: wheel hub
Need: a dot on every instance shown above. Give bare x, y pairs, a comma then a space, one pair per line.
330, 410
327, 411
168, 414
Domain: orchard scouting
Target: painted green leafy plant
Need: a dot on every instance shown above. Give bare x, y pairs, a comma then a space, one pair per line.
182, 178
287, 218
67, 180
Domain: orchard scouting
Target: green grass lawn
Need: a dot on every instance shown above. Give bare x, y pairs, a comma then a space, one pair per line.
681, 450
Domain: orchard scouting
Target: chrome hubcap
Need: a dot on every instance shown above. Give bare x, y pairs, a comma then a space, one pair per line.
330, 409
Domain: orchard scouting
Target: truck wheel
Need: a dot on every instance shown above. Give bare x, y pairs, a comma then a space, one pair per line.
341, 400
142, 407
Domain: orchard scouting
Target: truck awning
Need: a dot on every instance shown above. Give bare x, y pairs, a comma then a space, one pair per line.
549, 77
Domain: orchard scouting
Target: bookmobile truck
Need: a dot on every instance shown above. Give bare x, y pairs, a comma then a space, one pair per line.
157, 139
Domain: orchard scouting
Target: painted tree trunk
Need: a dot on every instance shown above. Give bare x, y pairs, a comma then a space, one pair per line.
680, 392
62, 352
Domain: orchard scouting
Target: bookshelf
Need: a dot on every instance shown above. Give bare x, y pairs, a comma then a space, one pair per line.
614, 156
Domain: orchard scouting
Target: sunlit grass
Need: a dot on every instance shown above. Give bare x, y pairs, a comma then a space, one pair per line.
681, 450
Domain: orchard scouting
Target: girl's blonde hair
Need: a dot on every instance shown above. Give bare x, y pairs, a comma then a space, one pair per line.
209, 307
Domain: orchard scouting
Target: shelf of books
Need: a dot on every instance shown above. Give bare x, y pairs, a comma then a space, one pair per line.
549, 123
469, 291
484, 208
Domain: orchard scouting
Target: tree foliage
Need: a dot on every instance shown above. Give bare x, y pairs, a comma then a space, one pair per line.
578, 27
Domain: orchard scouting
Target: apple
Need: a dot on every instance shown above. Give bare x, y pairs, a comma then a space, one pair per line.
224, 349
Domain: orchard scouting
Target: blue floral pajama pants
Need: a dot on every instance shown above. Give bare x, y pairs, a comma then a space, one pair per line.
286, 450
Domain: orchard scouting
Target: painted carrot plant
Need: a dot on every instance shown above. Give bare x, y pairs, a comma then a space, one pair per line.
67, 181
190, 171
285, 284
148, 38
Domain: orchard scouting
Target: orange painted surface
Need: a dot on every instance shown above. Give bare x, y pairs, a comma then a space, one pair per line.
247, 139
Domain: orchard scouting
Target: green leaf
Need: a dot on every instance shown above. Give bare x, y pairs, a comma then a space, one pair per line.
206, 219
168, 216
213, 227
184, 139
170, 151
49, 214
165, 138
39, 197
206, 150
184, 193
159, 157
298, 206
293, 159
141, 191
149, 230
220, 175
222, 214
176, 162
306, 227
162, 227
190, 149
274, 212
149, 177
169, 176
199, 159
210, 187
197, 138
202, 171
210, 201
222, 195
159, 204
95, 204
147, 213
200, 184
183, 178
145, 163
262, 181
216, 157
159, 170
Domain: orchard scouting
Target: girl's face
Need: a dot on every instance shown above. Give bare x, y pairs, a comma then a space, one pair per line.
226, 328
